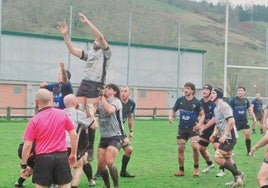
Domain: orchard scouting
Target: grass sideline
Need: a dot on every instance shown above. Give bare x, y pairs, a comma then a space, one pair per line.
154, 159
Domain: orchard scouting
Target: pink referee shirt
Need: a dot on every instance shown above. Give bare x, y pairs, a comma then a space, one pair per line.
48, 128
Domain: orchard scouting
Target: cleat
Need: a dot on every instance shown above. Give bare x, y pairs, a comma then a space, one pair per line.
208, 168
179, 173
231, 183
91, 183
127, 175
18, 185
220, 173
97, 177
239, 180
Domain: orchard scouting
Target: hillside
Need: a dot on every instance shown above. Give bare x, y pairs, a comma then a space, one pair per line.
153, 23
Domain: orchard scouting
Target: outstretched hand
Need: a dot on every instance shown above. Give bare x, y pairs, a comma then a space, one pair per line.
82, 17
62, 27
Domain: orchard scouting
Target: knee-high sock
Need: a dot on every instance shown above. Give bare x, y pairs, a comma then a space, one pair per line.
114, 175
231, 167
105, 176
91, 138
125, 160
88, 171
248, 145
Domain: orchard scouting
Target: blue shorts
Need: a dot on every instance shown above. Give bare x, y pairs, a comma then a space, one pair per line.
52, 168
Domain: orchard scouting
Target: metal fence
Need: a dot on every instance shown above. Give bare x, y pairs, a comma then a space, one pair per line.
12, 113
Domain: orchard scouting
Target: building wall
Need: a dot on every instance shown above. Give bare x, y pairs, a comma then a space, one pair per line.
148, 99
13, 95
29, 59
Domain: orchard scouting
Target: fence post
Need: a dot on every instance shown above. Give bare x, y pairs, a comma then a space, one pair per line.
154, 112
8, 113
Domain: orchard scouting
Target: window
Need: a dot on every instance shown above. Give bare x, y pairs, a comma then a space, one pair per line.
142, 94
17, 90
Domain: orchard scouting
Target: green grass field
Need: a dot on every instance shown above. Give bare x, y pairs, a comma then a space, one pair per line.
154, 159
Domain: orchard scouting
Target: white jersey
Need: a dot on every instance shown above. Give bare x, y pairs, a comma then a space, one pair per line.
222, 112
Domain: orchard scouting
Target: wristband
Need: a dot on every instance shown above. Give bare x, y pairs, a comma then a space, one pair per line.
23, 166
131, 131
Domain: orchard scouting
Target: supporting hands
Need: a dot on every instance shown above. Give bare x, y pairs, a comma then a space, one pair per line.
222, 138
212, 138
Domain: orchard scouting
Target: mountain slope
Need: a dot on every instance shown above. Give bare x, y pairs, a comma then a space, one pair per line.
155, 23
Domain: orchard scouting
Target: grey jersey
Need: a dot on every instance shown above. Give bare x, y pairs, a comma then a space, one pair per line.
222, 112
111, 124
78, 117
97, 63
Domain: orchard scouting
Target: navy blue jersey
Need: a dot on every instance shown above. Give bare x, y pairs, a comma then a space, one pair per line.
257, 105
59, 90
240, 107
208, 109
189, 111
128, 109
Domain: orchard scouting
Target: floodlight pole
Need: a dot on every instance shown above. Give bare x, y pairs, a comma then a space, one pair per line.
179, 57
129, 46
266, 57
0, 37
70, 33
226, 48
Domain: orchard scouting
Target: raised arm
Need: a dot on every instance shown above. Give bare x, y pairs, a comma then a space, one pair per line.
94, 30
63, 28
63, 73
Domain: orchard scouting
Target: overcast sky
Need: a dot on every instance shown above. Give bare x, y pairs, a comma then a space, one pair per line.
241, 2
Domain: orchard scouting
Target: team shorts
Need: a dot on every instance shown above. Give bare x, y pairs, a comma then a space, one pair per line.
228, 145
89, 89
240, 125
52, 168
31, 159
186, 133
115, 141
259, 116
207, 133
79, 154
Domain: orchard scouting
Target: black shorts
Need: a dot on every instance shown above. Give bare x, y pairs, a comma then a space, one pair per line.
228, 145
52, 169
31, 159
259, 116
89, 89
240, 125
207, 133
79, 154
115, 141
186, 133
